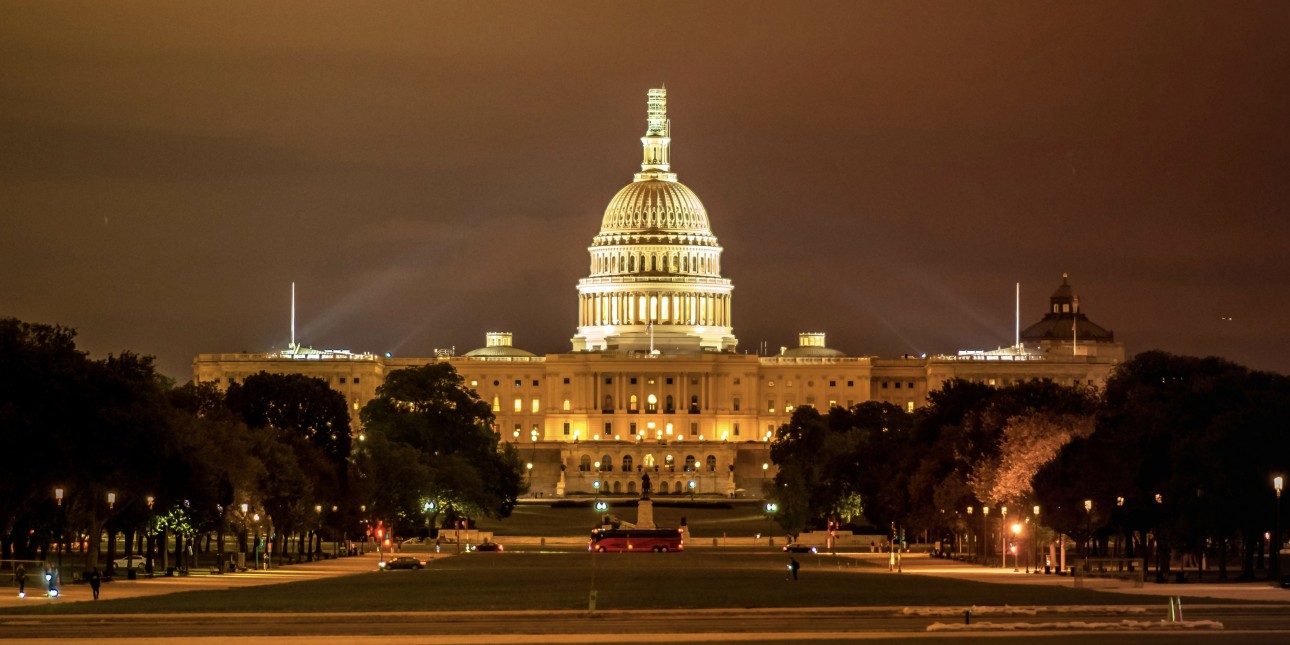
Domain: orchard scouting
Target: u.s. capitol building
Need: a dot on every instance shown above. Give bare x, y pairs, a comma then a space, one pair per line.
653, 382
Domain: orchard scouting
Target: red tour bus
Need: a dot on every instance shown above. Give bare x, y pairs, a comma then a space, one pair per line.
640, 540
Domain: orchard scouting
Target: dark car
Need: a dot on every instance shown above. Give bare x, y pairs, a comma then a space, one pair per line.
489, 546
403, 562
799, 548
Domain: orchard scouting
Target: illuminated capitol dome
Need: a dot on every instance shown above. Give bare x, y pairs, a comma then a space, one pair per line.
655, 282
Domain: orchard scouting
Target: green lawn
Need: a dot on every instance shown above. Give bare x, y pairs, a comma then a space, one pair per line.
716, 519
562, 580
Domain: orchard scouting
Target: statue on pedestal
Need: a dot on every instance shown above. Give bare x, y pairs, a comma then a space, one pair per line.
645, 487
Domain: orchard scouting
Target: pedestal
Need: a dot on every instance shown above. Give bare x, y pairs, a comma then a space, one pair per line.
645, 514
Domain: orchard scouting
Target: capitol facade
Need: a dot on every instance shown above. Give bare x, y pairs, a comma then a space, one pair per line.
653, 382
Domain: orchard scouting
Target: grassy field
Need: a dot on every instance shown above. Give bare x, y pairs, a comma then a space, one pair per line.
562, 580
717, 519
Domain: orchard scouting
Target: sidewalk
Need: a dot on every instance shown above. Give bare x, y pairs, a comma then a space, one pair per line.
122, 588
922, 564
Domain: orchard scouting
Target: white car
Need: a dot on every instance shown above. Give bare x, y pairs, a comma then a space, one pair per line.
133, 562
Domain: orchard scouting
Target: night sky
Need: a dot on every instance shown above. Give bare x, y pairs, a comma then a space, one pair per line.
427, 172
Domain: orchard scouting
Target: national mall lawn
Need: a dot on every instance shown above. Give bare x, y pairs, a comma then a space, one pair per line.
545, 579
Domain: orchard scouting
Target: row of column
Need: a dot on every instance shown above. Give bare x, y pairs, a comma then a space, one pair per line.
636, 308
705, 264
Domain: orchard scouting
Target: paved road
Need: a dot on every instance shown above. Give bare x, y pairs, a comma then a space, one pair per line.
1242, 623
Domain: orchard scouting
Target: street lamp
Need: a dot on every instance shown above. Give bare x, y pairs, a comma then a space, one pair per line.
1034, 537
1003, 536
1276, 534
58, 495
971, 546
111, 500
985, 535
1016, 535
1088, 516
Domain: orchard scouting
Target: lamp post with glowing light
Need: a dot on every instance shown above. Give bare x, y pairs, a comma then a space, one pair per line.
1003, 537
58, 496
1276, 533
533, 437
1088, 517
1034, 537
1016, 537
971, 544
985, 535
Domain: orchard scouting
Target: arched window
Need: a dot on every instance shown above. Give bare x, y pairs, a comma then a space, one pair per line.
668, 406
678, 487
631, 403
651, 404
669, 462
689, 463
566, 405
649, 460
631, 487
627, 463
607, 463
712, 463
584, 464
618, 487
685, 264
631, 264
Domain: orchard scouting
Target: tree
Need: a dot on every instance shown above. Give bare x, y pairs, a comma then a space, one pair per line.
430, 410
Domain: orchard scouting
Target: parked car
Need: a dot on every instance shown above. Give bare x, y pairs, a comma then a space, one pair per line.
135, 562
403, 562
489, 546
794, 547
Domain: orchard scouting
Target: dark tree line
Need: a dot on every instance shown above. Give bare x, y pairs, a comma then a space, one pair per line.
132, 454
1175, 453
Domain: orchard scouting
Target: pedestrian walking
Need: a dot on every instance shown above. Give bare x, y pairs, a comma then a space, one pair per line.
96, 581
794, 565
20, 576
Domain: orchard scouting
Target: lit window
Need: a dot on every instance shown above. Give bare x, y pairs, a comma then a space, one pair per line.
770, 406
497, 405
519, 404
536, 406
566, 405
474, 384
909, 407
